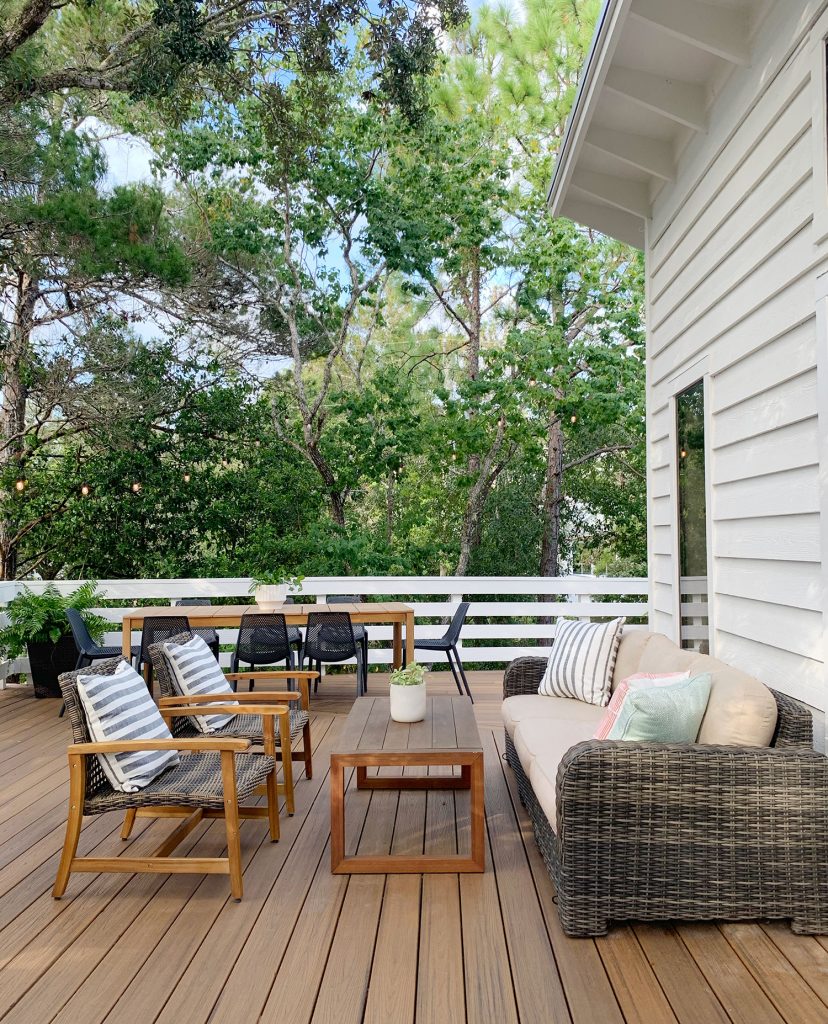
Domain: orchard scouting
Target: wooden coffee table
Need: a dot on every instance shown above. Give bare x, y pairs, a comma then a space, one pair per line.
448, 736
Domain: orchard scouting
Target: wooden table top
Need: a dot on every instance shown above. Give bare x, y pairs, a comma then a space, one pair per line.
449, 725
376, 610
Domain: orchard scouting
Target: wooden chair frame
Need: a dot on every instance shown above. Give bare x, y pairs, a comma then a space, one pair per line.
161, 859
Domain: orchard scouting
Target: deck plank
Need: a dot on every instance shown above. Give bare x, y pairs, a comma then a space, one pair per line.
305, 945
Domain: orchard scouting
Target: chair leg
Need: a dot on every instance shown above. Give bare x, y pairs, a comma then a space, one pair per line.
463, 674
306, 749
231, 823
62, 711
77, 782
287, 762
318, 676
365, 662
454, 672
129, 822
273, 805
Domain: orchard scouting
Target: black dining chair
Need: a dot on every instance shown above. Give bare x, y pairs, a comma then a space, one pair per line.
360, 632
263, 640
157, 629
448, 644
207, 633
294, 633
88, 650
330, 638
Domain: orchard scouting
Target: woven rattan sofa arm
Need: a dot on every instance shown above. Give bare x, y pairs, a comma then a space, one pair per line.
206, 745
635, 789
794, 723
523, 675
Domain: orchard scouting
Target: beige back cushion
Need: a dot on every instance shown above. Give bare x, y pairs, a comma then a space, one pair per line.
741, 710
630, 651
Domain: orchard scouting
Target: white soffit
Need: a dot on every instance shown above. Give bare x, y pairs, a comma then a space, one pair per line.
646, 88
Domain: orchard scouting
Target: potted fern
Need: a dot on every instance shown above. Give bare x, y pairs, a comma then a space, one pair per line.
408, 694
37, 626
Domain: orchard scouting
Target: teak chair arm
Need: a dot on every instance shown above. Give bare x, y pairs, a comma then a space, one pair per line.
228, 743
301, 677
284, 673
256, 697
183, 710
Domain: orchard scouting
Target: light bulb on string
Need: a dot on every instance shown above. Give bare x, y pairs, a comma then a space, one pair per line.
225, 463
573, 418
85, 490
187, 478
136, 487
21, 484
683, 453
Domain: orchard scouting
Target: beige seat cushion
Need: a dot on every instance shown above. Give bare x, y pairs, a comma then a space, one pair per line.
741, 710
630, 653
541, 744
534, 707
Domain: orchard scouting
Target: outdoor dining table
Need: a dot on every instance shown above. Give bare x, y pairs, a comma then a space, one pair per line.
394, 613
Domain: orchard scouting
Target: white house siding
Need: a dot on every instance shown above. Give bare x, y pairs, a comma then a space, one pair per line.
732, 264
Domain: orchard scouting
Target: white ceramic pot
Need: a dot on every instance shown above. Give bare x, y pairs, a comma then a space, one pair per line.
271, 596
408, 703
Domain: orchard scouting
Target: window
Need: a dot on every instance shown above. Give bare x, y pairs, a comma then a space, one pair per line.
692, 513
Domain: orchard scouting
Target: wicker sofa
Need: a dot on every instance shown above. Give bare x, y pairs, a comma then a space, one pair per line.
634, 831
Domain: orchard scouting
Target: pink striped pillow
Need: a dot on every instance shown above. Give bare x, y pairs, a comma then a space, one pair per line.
633, 682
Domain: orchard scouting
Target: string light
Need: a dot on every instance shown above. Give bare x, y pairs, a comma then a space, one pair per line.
225, 463
136, 487
86, 490
573, 418
186, 478
683, 453
21, 485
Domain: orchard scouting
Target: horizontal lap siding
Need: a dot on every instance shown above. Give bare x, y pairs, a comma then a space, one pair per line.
732, 266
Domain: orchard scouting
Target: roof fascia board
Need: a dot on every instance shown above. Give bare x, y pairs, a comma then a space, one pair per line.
607, 33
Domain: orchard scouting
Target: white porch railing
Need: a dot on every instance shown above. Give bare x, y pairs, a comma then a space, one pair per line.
502, 624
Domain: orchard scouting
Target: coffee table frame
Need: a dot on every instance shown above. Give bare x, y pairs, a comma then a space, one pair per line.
469, 760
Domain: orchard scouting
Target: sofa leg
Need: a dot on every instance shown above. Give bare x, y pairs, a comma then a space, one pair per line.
582, 924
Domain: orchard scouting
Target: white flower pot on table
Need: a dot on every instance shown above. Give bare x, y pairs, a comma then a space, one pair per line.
408, 703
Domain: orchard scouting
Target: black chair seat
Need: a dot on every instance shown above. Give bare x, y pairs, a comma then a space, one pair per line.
111, 652
433, 645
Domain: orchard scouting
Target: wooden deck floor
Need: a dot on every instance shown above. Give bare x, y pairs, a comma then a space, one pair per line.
307, 946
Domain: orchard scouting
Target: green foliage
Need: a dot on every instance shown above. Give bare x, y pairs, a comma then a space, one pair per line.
41, 618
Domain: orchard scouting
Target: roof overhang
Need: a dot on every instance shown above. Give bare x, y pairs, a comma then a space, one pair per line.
653, 70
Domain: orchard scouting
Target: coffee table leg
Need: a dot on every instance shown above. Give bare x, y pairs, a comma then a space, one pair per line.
478, 813
337, 812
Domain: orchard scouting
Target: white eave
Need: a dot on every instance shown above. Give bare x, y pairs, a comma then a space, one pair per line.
653, 71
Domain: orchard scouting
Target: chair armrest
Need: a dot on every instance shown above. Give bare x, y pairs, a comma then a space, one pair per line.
280, 674
794, 723
123, 746
523, 675
668, 794
188, 711
256, 697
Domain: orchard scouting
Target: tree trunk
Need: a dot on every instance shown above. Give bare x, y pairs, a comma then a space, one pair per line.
13, 406
389, 507
552, 493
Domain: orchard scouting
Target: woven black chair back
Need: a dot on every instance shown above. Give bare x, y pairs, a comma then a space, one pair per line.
453, 632
158, 628
83, 641
263, 639
329, 637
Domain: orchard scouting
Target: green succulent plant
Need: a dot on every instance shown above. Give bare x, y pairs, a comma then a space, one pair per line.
412, 675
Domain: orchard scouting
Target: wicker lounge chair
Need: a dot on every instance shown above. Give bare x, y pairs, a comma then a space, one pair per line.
214, 779
246, 727
656, 831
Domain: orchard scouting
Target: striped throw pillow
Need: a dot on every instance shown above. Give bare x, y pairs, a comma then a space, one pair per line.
582, 660
120, 707
195, 672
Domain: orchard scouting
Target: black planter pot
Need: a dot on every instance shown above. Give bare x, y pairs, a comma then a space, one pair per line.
47, 661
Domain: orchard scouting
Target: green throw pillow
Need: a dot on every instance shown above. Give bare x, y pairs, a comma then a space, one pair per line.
663, 714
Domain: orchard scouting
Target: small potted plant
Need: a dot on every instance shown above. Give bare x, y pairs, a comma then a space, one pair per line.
408, 694
271, 588
37, 625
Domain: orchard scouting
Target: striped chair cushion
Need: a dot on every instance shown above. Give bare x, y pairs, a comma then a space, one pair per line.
120, 707
582, 659
195, 671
